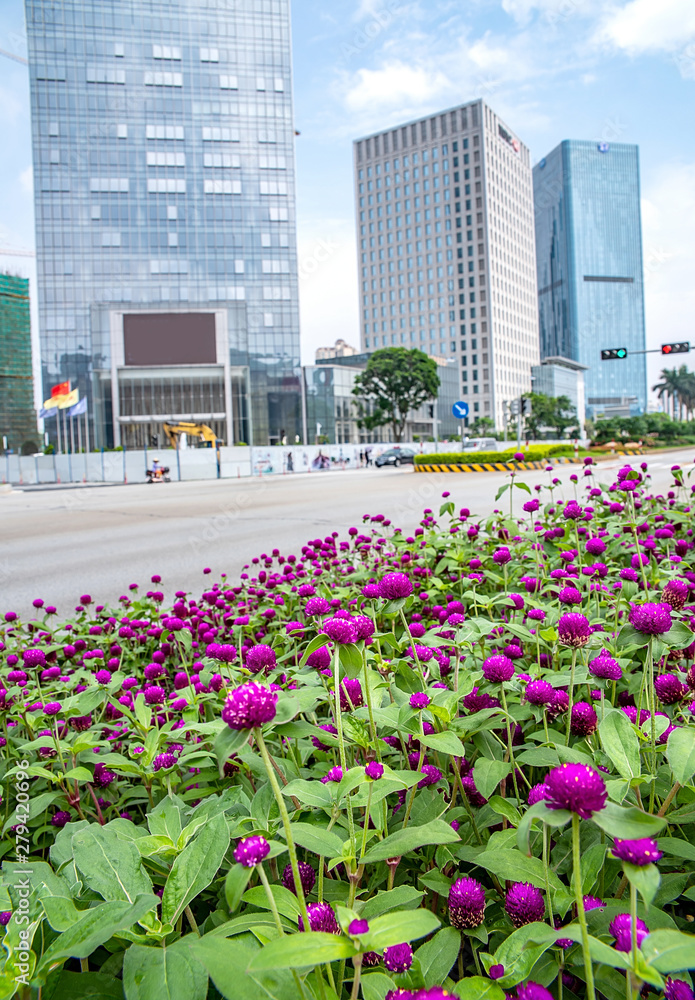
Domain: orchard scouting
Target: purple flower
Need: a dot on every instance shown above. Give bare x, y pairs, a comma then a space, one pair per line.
317, 742
398, 958
307, 876
340, 630
395, 586
538, 793
621, 929
524, 904
251, 850
651, 619
472, 794
52, 708
583, 720
102, 778
604, 666
335, 774
595, 546
249, 705
321, 918
678, 989
496, 972
466, 903
502, 556
220, 651
163, 760
569, 595
155, 695
637, 852
317, 606
5, 917
669, 689
33, 658
498, 668
358, 927
593, 903
675, 593
539, 692
260, 658
102, 676
531, 506
572, 511
576, 787
573, 630
60, 818
419, 700
374, 770
350, 694
532, 991
431, 774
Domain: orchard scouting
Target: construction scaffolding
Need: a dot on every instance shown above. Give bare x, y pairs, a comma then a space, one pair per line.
18, 429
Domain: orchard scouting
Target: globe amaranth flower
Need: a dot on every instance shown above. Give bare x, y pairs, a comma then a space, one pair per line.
537, 793
524, 904
678, 989
498, 668
569, 595
502, 556
606, 667
576, 787
102, 778
395, 586
419, 700
539, 692
433, 993
669, 689
431, 775
350, 694
60, 819
249, 705
572, 511
675, 594
621, 929
251, 851
33, 658
651, 619
398, 957
222, 652
573, 630
644, 851
321, 918
260, 657
52, 708
317, 606
593, 903
531, 506
475, 797
532, 991
163, 760
374, 770
340, 630
307, 876
583, 719
358, 927
496, 972
400, 994
595, 546
329, 728
335, 774
466, 903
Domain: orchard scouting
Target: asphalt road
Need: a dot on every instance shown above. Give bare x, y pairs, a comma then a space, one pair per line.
60, 543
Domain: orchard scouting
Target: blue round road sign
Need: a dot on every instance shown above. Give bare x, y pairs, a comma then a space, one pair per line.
460, 410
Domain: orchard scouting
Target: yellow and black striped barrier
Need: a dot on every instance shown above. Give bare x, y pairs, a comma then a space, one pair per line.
492, 466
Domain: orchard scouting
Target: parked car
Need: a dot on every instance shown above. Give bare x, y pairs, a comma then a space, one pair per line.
396, 456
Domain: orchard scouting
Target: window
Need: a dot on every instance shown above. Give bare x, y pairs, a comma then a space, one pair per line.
119, 49
273, 161
172, 213
166, 159
168, 267
228, 82
122, 131
260, 83
110, 239
166, 185
164, 132
273, 187
275, 267
209, 55
97, 74
265, 136
114, 185
267, 319
278, 213
276, 293
166, 52
265, 239
163, 79
221, 160
279, 84
95, 212
220, 135
221, 187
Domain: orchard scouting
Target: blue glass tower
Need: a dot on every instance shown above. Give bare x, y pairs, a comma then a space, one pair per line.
590, 276
165, 213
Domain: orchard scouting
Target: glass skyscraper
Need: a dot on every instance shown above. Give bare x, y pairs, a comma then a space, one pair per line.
163, 145
444, 214
590, 276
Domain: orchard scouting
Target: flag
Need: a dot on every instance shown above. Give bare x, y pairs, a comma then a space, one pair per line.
69, 399
49, 404
62, 389
79, 408
45, 412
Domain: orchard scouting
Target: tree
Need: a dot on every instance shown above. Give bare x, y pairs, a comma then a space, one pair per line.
395, 382
556, 412
677, 385
482, 427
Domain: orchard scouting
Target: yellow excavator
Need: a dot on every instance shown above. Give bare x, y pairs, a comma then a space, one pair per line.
192, 430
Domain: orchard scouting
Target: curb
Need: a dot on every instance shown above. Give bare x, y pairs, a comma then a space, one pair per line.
494, 466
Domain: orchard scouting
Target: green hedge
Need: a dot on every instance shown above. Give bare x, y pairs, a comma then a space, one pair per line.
534, 453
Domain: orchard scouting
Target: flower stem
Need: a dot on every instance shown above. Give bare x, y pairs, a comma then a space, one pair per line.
357, 962
569, 707
366, 820
276, 917
260, 743
581, 915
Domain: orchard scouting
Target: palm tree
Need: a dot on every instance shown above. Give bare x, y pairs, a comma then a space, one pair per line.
671, 383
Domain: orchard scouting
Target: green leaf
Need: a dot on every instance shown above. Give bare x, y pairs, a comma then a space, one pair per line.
165, 819
680, 751
286, 901
235, 885
520, 951
393, 899
350, 658
316, 643
591, 864
517, 867
301, 951
228, 742
84, 986
195, 868
226, 962
539, 811
487, 775
504, 808
448, 743
501, 491
317, 840
96, 927
627, 823
410, 839
310, 793
621, 743
678, 636
394, 928
172, 973
677, 848
669, 951
438, 955
477, 988
110, 866
645, 878
375, 985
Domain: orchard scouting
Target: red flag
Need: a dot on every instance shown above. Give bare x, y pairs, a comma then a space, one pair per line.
60, 390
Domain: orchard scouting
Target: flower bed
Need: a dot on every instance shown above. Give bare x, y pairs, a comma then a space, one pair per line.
534, 453
453, 763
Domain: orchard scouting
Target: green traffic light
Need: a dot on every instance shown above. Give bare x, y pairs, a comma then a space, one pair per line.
622, 353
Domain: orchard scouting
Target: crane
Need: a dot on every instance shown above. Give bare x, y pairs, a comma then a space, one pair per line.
191, 429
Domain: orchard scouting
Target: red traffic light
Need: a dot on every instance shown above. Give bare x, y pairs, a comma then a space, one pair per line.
681, 348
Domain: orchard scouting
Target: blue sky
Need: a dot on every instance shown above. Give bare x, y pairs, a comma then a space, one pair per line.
553, 69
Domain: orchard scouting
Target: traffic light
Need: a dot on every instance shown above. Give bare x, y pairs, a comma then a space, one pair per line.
682, 348
526, 407
514, 407
614, 354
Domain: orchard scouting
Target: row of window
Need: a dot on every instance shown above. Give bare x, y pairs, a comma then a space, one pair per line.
176, 185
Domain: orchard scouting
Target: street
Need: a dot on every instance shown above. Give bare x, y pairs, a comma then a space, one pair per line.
57, 544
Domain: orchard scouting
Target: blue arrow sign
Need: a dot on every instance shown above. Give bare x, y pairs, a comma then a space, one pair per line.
460, 410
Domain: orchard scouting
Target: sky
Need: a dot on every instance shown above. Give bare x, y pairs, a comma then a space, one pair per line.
552, 69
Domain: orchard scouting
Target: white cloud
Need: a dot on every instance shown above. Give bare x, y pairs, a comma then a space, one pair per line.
26, 180
393, 86
646, 26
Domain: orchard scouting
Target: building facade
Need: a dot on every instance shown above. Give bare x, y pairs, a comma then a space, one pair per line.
557, 376
590, 275
18, 430
341, 349
446, 249
163, 144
